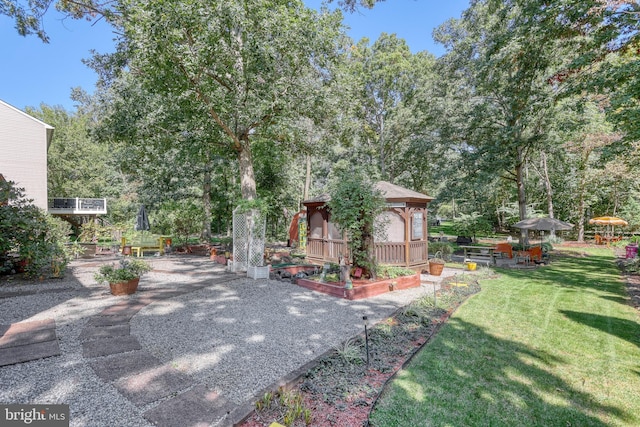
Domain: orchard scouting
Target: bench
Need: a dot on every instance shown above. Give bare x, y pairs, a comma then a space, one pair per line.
140, 244
480, 253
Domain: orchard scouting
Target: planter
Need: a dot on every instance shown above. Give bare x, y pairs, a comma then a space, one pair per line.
125, 288
435, 268
361, 288
258, 272
89, 250
471, 266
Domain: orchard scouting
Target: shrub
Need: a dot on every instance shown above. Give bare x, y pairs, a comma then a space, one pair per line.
391, 272
124, 271
355, 204
27, 231
445, 248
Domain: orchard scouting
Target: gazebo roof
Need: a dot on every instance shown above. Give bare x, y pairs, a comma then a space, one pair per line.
391, 193
395, 193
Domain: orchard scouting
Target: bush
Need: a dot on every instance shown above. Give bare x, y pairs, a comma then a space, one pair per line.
446, 249
355, 204
37, 238
391, 272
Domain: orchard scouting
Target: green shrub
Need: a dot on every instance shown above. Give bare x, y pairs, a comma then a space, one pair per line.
125, 270
392, 272
445, 248
37, 238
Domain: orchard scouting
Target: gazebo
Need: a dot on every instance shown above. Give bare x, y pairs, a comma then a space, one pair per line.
406, 242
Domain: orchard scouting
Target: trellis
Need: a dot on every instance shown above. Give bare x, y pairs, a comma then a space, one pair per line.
249, 229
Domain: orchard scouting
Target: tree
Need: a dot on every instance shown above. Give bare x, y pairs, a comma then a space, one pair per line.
77, 165
246, 65
497, 68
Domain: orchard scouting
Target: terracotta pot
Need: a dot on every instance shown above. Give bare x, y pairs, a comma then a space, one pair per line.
435, 269
125, 288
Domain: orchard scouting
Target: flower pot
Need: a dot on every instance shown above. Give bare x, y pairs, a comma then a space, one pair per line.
435, 268
471, 266
124, 288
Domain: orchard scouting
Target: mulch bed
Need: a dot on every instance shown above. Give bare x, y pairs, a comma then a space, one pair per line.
342, 389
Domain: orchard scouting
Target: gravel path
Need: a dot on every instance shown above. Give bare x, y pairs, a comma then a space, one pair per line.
235, 337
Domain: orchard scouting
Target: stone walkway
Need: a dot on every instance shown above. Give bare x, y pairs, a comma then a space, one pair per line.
22, 342
140, 376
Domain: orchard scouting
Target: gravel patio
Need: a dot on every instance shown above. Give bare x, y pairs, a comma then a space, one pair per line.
194, 346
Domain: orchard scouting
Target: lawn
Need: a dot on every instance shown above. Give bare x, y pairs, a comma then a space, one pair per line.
558, 346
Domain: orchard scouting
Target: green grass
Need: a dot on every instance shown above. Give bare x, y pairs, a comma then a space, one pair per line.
556, 346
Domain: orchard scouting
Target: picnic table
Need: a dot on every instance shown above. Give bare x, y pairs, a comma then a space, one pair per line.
484, 253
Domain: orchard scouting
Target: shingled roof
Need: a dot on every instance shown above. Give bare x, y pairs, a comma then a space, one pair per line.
391, 193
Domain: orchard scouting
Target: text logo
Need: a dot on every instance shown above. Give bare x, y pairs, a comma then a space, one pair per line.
34, 415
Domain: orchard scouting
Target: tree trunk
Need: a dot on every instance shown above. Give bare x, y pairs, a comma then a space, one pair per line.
307, 181
522, 197
548, 188
383, 170
206, 201
247, 176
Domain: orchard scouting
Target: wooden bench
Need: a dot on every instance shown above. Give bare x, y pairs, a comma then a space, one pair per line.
479, 253
140, 244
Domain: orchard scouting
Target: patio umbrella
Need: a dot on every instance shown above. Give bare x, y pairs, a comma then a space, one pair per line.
609, 222
142, 220
543, 224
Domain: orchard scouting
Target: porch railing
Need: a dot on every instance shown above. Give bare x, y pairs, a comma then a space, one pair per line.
392, 253
77, 206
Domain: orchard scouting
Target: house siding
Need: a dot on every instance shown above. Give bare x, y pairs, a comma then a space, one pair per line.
23, 152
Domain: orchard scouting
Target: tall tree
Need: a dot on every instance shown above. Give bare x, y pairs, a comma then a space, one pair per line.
246, 64
498, 66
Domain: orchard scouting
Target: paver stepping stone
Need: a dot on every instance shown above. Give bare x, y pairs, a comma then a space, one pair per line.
110, 320
22, 342
107, 346
153, 384
97, 332
116, 367
124, 309
198, 407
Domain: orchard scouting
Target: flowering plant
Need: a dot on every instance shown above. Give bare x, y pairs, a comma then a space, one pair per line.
124, 271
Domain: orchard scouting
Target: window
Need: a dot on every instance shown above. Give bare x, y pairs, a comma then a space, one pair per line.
416, 229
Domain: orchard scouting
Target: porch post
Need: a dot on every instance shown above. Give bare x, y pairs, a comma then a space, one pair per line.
325, 234
407, 235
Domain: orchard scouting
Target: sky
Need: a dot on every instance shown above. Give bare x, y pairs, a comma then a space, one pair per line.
32, 72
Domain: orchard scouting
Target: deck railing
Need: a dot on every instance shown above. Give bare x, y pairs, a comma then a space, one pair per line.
77, 206
392, 253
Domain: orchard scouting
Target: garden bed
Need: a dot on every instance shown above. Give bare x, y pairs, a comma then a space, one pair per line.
341, 389
361, 288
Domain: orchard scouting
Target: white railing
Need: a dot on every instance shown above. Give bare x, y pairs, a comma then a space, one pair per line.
77, 206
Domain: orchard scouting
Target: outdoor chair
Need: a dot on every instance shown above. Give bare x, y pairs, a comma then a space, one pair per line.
536, 254
598, 239
504, 249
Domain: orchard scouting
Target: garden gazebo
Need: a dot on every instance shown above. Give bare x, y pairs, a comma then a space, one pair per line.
406, 243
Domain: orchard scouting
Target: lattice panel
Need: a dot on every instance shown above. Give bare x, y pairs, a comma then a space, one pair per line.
248, 239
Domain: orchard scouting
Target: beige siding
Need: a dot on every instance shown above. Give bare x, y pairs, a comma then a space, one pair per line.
23, 152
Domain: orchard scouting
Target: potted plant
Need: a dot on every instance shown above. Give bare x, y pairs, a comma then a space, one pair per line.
123, 278
436, 264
